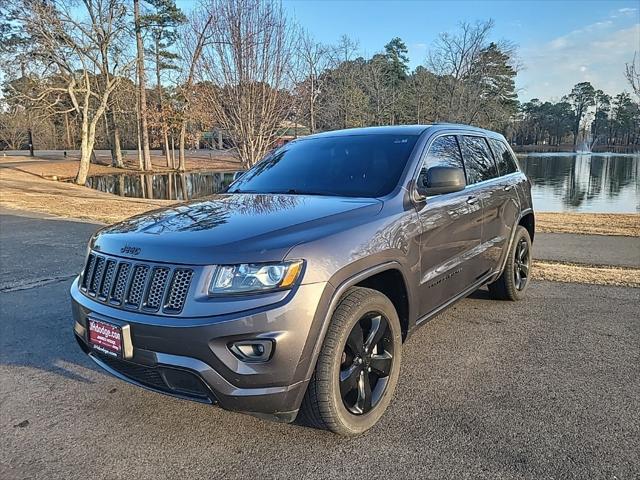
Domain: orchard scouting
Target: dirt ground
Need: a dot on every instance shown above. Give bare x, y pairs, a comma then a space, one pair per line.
38, 184
57, 167
25, 191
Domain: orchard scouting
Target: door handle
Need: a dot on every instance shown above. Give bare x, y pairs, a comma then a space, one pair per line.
472, 200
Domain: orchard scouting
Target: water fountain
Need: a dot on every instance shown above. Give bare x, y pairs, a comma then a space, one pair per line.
584, 147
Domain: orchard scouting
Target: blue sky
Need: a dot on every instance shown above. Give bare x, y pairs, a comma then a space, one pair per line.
560, 43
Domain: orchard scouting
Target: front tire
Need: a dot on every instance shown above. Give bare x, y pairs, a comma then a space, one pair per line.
513, 282
358, 367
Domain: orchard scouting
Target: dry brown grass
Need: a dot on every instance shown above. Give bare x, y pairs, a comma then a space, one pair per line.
592, 274
24, 191
55, 166
25, 184
626, 224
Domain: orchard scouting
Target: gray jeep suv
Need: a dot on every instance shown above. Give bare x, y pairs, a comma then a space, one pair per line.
291, 294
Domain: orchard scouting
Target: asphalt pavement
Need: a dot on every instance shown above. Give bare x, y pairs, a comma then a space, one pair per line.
588, 249
548, 387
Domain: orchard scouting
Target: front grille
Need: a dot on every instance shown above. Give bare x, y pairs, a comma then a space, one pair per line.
136, 285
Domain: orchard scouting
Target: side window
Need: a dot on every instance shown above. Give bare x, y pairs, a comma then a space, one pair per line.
478, 160
443, 152
506, 162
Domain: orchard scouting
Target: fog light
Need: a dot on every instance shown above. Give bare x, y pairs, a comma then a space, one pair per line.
252, 350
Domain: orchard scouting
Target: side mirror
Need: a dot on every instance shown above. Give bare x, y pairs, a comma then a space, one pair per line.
439, 180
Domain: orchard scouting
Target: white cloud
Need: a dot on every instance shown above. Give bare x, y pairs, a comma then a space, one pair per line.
595, 53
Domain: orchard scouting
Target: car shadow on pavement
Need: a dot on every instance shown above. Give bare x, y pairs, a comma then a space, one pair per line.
480, 294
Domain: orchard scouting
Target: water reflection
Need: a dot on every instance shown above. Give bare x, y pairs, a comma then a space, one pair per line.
561, 182
167, 186
584, 183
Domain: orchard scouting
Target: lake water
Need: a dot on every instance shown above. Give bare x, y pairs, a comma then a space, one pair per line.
567, 182
562, 182
167, 186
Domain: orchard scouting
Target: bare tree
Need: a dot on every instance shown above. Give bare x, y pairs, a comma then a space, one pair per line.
195, 36
632, 72
315, 58
142, 88
454, 59
83, 45
349, 98
13, 128
249, 63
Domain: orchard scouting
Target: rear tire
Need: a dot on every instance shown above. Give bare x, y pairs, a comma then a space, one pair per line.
358, 366
513, 282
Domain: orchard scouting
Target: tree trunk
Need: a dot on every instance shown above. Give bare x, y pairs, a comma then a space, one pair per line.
86, 151
183, 134
67, 131
163, 121
312, 113
116, 151
173, 151
30, 135
144, 130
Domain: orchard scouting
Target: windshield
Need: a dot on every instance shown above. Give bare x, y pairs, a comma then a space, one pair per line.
351, 166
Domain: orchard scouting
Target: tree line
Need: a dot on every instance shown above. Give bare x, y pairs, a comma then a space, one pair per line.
132, 75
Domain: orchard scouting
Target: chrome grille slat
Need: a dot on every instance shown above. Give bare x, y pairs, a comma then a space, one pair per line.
136, 285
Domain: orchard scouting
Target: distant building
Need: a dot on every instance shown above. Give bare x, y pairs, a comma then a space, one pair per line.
290, 131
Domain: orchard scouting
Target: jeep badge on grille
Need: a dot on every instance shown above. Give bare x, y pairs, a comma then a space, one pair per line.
130, 250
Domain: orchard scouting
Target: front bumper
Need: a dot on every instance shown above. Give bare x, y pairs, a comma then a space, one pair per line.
190, 357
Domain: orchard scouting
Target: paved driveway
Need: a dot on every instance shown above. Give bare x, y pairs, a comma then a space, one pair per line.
547, 387
589, 249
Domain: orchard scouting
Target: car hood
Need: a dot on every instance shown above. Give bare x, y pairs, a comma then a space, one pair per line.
231, 228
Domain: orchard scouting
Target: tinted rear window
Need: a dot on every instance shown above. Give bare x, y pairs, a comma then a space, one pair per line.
506, 162
352, 166
478, 160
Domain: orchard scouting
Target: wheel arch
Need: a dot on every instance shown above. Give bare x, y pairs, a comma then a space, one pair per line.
528, 221
391, 283
371, 275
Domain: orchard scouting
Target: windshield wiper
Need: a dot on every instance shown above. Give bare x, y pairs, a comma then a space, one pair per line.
237, 190
297, 191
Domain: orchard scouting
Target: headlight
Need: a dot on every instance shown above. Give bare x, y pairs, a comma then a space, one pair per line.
254, 277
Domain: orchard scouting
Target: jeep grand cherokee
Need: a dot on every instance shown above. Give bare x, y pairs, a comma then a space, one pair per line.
293, 292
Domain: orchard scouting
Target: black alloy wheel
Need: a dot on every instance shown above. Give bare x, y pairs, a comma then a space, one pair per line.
521, 264
366, 363
358, 365
514, 279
